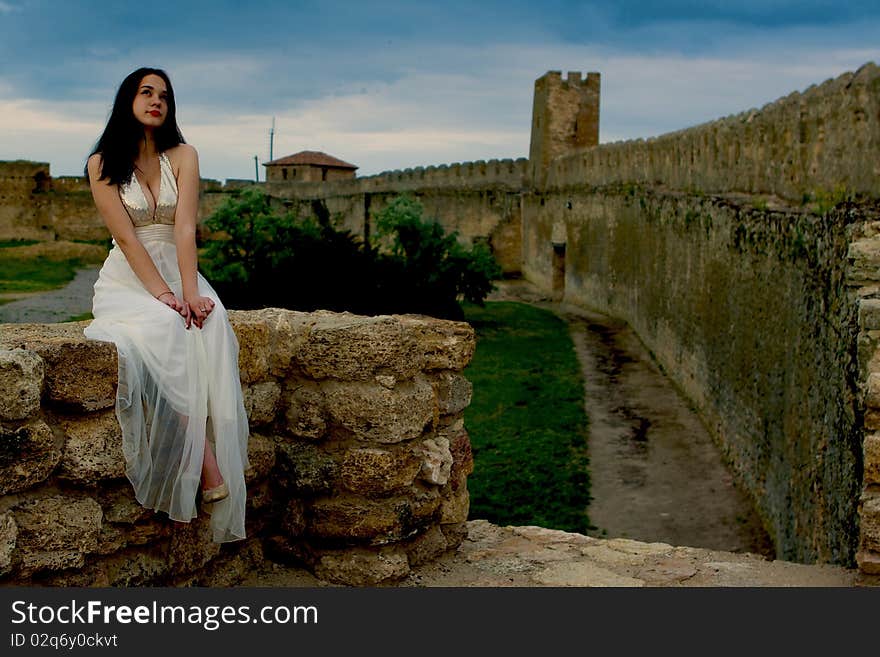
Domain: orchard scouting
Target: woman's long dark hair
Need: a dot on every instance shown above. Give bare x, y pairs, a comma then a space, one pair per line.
121, 139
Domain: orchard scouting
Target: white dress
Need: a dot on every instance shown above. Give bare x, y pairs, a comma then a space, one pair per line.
176, 385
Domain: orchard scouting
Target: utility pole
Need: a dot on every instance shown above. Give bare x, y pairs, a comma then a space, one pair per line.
256, 170
271, 139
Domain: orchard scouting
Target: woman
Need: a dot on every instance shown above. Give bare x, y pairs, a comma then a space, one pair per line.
179, 400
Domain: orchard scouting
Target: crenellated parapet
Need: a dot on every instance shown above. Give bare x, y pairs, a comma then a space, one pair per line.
823, 140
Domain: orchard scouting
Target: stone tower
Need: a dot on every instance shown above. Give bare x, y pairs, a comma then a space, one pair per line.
565, 117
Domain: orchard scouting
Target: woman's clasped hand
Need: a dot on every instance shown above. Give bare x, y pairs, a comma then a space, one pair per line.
194, 311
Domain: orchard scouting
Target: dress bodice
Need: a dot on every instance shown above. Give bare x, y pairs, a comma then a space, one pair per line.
138, 204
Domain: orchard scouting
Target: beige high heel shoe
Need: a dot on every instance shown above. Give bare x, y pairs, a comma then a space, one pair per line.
215, 494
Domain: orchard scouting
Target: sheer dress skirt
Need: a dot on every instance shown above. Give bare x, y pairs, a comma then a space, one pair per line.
177, 386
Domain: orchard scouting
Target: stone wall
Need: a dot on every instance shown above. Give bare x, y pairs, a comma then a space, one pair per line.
751, 311
822, 141
478, 199
359, 457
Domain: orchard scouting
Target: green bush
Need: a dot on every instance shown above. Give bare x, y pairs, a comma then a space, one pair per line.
266, 257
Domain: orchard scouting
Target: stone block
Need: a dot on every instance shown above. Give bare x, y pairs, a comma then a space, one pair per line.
446, 345
21, 383
436, 460
137, 567
362, 566
869, 562
872, 399
869, 515
192, 546
373, 412
453, 391
382, 520
304, 468
261, 402
57, 532
455, 533
426, 546
8, 535
27, 456
355, 347
372, 471
462, 454
261, 455
869, 314
79, 373
455, 504
120, 505
305, 410
254, 346
871, 448
93, 450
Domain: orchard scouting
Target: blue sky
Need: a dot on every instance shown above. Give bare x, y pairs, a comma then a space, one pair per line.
392, 84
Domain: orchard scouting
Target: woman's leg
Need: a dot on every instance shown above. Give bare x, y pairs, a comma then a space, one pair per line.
211, 477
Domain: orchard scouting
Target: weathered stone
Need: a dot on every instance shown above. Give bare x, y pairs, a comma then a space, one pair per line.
304, 467
453, 392
192, 546
455, 533
436, 460
871, 447
8, 535
136, 567
120, 505
293, 518
373, 412
362, 567
869, 515
872, 399
455, 503
869, 562
254, 346
261, 455
462, 454
446, 345
386, 380
79, 373
869, 314
426, 546
27, 456
57, 532
93, 450
371, 470
351, 516
306, 415
582, 573
261, 402
353, 347
21, 381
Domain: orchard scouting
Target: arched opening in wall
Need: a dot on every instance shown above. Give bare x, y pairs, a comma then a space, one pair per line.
558, 269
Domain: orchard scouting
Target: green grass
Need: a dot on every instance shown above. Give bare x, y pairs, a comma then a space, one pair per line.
526, 420
8, 243
36, 274
80, 317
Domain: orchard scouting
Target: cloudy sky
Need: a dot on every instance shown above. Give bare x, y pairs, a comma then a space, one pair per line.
394, 84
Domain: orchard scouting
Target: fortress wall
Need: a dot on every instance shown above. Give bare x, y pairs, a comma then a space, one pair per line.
25, 211
359, 456
752, 312
822, 141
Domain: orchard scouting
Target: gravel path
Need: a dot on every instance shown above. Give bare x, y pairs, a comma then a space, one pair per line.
55, 306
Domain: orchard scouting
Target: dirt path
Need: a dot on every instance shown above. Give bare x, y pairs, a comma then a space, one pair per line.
655, 473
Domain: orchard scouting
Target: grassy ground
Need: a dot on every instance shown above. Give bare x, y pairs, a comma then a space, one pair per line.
526, 421
29, 266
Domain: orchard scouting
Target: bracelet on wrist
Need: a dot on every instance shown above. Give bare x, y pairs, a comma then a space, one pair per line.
162, 294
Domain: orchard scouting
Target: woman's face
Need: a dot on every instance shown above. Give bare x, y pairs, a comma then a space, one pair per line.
150, 105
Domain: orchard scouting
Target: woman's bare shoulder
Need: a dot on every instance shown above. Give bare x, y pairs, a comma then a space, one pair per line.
182, 152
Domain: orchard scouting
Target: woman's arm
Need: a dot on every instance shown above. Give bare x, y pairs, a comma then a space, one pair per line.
119, 224
185, 219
